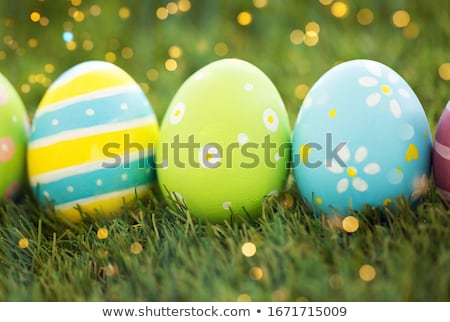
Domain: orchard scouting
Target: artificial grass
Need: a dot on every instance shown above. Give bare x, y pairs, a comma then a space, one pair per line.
299, 256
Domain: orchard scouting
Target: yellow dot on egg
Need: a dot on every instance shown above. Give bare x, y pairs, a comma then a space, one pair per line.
208, 156
177, 112
319, 201
386, 89
270, 119
102, 233
305, 150
352, 172
425, 134
332, 113
23, 243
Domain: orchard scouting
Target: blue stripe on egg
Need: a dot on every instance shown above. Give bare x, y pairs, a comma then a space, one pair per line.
88, 112
98, 182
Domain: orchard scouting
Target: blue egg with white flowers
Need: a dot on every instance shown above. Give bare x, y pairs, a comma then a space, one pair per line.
361, 138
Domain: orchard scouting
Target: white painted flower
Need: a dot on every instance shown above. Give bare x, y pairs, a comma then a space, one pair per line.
352, 173
209, 156
384, 86
177, 113
270, 120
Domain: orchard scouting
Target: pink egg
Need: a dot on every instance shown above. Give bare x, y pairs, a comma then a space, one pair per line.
441, 154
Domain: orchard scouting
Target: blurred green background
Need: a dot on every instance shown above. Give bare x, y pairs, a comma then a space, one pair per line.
161, 43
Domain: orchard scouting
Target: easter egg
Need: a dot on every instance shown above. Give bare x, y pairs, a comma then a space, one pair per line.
441, 154
224, 142
13, 141
91, 143
361, 138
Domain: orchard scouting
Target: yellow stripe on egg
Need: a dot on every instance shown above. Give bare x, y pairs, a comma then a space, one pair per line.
86, 83
82, 150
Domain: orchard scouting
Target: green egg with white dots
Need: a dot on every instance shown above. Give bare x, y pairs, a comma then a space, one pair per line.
224, 142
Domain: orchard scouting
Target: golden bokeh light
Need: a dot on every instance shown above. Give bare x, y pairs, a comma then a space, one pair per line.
76, 3
44, 21
102, 233
136, 248
248, 249
244, 18
184, 5
365, 16
71, 45
33, 42
88, 44
336, 281
127, 52
312, 27
78, 16
110, 57
244, 297
2, 55
95, 10
326, 2
162, 13
175, 52
23, 243
339, 9
35, 16
411, 31
444, 71
172, 8
145, 87
152, 74
301, 90
171, 64
311, 39
401, 18
124, 13
256, 273
260, 3
49, 68
297, 36
367, 273
350, 224
221, 49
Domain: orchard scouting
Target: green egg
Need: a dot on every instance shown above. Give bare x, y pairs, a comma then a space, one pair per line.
224, 142
14, 128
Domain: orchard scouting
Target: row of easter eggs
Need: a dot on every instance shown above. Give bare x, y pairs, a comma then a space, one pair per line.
225, 144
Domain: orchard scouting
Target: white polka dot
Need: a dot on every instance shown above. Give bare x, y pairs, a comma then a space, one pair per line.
177, 113
372, 168
395, 108
124, 177
70, 189
403, 92
248, 87
395, 176
55, 122
270, 120
209, 156
199, 76
307, 102
99, 182
46, 194
361, 154
277, 156
5, 147
359, 184
406, 132
367, 81
226, 205
373, 99
242, 138
14, 119
374, 68
90, 112
124, 106
342, 185
393, 78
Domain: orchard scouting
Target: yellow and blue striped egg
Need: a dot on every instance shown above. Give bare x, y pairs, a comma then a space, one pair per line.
91, 144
